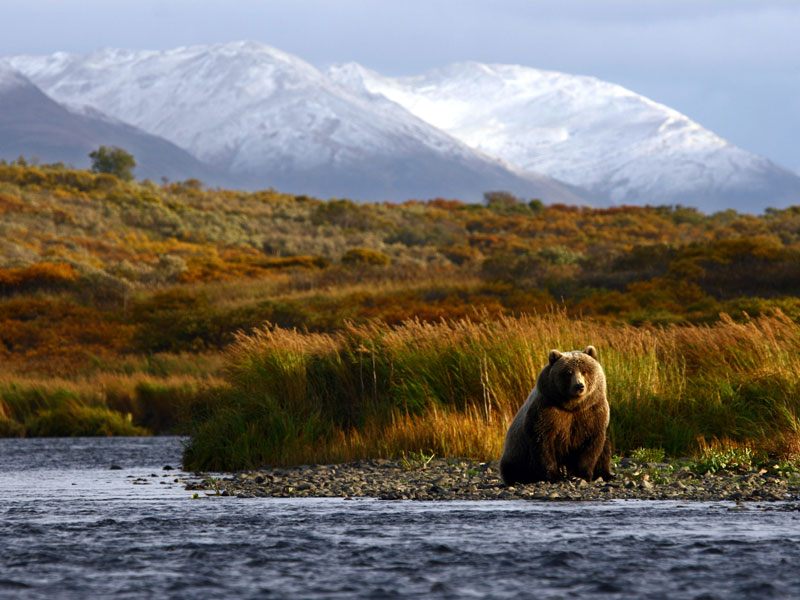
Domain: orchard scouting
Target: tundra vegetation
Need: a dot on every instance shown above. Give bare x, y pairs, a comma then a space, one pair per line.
276, 328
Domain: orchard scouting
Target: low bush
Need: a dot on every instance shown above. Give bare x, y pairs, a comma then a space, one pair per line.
76, 420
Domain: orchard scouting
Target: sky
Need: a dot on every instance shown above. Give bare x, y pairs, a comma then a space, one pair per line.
731, 65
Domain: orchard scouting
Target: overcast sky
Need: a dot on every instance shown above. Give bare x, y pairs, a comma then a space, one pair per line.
731, 65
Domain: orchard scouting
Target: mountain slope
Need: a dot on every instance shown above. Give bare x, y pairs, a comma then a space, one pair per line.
32, 124
618, 144
273, 120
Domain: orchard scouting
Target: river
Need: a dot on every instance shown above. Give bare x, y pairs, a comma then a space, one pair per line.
73, 527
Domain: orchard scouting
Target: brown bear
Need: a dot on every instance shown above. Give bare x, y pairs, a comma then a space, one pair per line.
561, 428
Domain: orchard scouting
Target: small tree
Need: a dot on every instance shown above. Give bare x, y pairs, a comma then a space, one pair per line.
113, 160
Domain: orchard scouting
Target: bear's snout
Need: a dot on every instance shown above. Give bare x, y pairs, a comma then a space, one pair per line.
578, 384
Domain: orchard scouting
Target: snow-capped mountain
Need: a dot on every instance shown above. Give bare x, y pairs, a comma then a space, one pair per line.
10, 78
597, 135
271, 119
274, 120
32, 124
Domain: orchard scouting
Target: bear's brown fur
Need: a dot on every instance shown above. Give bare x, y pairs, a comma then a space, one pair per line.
561, 428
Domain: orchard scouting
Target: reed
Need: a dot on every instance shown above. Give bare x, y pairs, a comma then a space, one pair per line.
452, 387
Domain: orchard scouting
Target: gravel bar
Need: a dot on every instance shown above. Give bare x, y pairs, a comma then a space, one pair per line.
458, 479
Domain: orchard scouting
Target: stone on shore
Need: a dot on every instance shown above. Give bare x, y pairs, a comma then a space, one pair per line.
459, 479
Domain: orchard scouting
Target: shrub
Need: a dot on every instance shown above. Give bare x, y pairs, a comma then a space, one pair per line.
306, 262
365, 256
648, 455
45, 275
344, 213
81, 420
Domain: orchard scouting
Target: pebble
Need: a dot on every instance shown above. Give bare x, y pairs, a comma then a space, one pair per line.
459, 479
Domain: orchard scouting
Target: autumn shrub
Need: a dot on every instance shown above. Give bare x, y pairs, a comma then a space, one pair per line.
91, 261
365, 256
460, 254
44, 275
307, 262
57, 334
343, 213
11, 203
179, 321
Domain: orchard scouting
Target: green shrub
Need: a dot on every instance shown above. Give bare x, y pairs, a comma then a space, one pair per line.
731, 458
648, 455
365, 256
80, 420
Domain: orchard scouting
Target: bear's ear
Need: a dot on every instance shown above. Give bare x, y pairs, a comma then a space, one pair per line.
591, 351
554, 356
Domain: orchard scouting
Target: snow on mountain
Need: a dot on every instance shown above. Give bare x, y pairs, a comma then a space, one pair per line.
34, 125
590, 133
10, 78
275, 120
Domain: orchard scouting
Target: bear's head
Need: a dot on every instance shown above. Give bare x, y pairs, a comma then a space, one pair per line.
573, 376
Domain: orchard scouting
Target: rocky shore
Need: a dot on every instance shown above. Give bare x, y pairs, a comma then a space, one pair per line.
457, 479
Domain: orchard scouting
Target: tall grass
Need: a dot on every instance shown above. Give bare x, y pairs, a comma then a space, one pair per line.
451, 388
101, 405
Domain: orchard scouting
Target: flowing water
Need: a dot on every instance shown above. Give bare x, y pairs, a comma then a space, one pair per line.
71, 527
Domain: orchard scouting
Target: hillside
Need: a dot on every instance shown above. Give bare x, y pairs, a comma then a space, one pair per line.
128, 308
234, 259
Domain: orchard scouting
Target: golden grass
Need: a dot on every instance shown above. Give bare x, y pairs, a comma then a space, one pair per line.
451, 387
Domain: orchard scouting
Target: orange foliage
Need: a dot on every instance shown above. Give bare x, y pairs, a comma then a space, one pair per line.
11, 203
39, 275
57, 335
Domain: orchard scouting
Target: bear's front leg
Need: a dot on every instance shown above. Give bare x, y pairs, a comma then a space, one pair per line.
549, 462
590, 459
603, 466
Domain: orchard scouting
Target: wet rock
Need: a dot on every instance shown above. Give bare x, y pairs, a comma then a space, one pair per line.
446, 479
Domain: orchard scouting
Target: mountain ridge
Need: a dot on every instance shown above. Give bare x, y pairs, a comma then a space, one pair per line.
271, 119
621, 146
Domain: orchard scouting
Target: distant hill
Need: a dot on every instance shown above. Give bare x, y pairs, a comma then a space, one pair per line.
34, 125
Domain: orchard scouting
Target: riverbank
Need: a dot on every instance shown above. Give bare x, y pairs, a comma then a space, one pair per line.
455, 479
